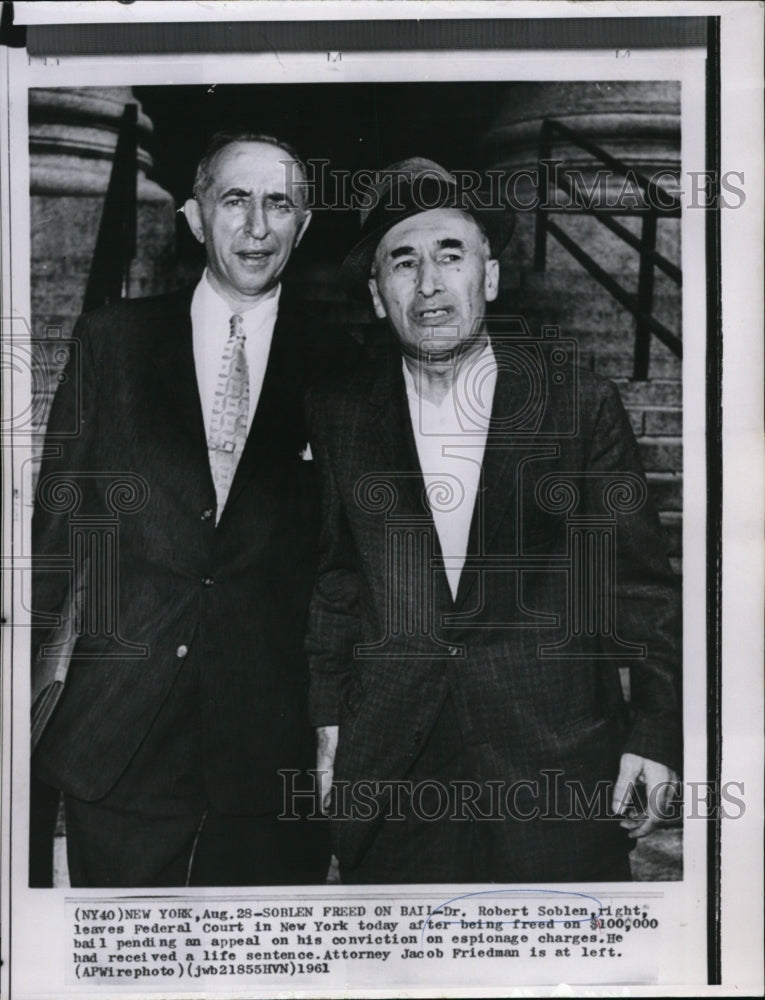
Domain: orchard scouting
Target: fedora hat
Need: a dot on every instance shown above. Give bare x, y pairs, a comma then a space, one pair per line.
408, 188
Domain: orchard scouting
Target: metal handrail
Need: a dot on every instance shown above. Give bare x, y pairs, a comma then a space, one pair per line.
659, 202
116, 241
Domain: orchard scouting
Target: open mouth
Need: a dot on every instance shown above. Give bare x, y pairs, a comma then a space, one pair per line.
434, 315
253, 256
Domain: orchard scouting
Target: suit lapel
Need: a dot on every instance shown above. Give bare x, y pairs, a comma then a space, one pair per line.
391, 429
174, 397
498, 486
277, 430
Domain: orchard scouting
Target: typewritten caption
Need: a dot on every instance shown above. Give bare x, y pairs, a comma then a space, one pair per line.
140, 942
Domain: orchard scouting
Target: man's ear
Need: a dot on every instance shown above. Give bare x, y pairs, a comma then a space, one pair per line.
303, 226
194, 218
491, 280
377, 302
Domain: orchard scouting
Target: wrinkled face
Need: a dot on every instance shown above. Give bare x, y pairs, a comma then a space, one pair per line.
432, 278
250, 217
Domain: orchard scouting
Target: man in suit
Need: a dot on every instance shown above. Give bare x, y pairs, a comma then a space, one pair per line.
186, 693
488, 561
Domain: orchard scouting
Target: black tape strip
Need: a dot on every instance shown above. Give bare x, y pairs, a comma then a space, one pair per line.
12, 35
373, 36
714, 460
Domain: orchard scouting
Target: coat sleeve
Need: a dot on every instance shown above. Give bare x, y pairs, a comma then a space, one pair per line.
333, 621
647, 592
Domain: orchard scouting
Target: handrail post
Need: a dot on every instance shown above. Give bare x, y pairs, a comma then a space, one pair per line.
644, 297
116, 240
660, 202
543, 194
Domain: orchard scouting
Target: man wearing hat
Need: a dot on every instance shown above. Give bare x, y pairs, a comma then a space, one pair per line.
488, 561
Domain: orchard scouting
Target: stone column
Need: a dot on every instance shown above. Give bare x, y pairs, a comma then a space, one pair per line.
72, 138
637, 122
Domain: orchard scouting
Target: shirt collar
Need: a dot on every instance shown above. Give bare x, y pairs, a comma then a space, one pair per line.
482, 367
217, 310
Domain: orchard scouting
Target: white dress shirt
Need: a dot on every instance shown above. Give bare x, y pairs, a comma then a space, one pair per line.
211, 326
451, 441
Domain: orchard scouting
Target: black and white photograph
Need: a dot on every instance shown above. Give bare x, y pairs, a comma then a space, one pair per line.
186, 703
364, 444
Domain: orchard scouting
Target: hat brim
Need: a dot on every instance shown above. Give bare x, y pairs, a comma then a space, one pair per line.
355, 270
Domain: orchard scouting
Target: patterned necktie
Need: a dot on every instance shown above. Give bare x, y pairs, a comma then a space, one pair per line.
228, 426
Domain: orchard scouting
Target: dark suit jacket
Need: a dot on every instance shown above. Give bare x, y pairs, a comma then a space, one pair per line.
536, 684
232, 598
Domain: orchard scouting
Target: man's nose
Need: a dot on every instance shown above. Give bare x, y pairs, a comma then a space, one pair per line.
429, 278
256, 221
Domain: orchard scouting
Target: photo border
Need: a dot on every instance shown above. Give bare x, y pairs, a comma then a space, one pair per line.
714, 503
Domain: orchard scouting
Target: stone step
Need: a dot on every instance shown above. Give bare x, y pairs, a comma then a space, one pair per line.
573, 289
666, 490
656, 420
582, 303
661, 454
662, 422
610, 342
606, 247
621, 366
654, 392
672, 527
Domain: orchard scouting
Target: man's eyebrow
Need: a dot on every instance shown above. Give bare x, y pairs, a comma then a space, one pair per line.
447, 243
279, 196
400, 252
236, 192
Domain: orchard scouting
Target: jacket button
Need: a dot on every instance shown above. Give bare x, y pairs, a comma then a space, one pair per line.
207, 513
181, 651
453, 650
208, 581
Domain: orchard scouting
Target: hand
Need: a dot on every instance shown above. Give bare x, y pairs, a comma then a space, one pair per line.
661, 787
326, 746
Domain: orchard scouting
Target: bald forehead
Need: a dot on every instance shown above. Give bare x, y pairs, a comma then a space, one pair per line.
273, 167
